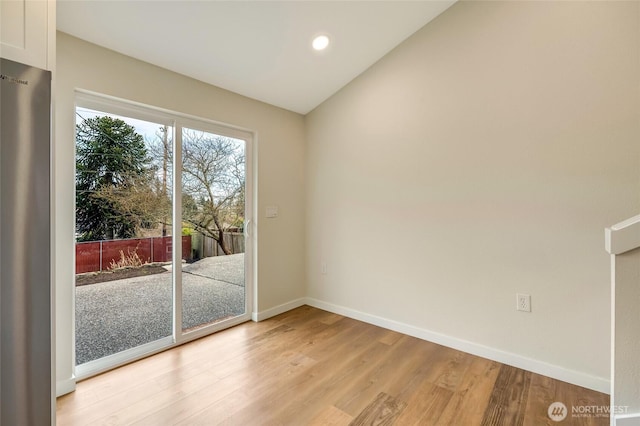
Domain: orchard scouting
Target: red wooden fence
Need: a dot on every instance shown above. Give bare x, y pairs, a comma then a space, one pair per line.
96, 256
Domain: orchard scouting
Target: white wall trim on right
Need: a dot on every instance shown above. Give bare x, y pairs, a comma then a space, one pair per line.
623, 236
556, 372
632, 419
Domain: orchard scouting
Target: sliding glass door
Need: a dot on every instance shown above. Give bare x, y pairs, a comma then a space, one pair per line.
163, 253
123, 226
213, 210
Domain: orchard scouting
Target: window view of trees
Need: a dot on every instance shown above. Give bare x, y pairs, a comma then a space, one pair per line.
115, 176
212, 185
124, 181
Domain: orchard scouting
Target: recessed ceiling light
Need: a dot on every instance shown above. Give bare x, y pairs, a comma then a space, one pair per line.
321, 42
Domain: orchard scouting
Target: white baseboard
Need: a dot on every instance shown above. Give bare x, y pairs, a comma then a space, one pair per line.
65, 386
277, 310
627, 420
556, 372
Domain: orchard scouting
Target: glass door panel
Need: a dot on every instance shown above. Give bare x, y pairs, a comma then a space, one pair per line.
213, 221
123, 234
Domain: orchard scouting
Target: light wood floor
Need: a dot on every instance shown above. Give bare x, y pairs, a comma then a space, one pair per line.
313, 367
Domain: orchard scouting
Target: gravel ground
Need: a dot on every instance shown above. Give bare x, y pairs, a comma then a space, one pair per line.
118, 315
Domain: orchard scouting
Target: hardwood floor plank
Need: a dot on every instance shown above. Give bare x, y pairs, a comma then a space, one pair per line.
337, 388
216, 361
331, 416
425, 405
382, 411
509, 397
389, 373
585, 402
339, 333
267, 363
312, 389
447, 368
542, 392
390, 337
331, 318
165, 366
226, 396
416, 368
469, 402
251, 395
309, 366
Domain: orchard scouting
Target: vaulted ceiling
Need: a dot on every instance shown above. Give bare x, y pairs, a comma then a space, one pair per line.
259, 49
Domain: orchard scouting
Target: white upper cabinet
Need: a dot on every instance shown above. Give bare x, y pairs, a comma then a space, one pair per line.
27, 32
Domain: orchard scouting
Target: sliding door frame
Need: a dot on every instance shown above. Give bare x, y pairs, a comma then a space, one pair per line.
177, 121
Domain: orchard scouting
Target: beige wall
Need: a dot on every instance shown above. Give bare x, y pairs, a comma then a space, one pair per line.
280, 148
481, 158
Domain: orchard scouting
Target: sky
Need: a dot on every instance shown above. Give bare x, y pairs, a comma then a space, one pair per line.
146, 128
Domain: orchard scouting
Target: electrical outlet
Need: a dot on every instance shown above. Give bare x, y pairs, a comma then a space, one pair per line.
523, 302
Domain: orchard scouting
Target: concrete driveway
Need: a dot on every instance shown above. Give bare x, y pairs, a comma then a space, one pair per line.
119, 315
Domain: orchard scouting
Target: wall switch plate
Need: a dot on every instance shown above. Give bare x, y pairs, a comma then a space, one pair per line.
523, 302
271, 212
323, 268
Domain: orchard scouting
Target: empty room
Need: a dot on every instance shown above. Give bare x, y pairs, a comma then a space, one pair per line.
324, 212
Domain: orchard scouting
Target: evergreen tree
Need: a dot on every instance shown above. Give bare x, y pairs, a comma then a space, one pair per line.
110, 156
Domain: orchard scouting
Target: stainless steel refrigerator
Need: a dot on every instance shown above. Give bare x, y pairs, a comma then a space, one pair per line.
25, 255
